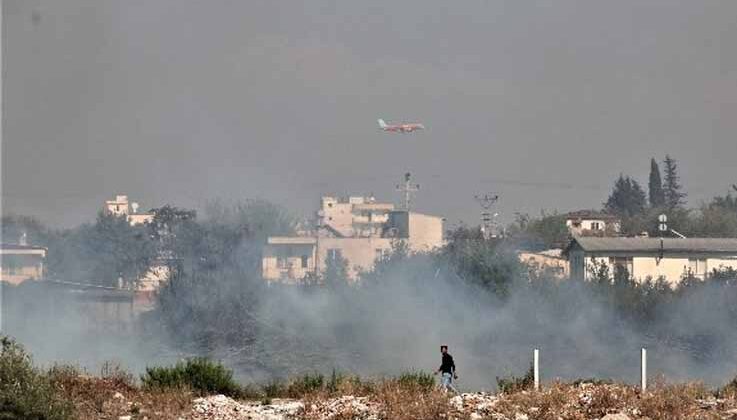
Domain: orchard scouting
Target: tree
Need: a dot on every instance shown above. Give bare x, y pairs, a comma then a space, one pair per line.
655, 186
672, 189
627, 198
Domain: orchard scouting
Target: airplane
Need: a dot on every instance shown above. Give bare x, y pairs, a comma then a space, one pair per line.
400, 128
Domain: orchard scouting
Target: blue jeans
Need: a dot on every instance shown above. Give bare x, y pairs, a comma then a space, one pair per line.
446, 382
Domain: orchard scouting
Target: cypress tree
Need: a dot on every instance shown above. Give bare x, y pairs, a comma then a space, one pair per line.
655, 186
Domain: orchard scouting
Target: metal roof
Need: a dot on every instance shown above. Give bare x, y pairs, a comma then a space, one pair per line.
614, 244
291, 240
18, 247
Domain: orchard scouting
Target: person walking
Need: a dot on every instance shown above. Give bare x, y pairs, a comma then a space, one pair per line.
447, 370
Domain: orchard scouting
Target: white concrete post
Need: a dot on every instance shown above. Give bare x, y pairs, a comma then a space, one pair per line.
536, 368
643, 370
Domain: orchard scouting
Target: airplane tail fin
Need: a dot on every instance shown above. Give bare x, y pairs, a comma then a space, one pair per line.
382, 124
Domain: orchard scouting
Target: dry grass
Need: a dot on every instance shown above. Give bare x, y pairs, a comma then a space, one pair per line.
113, 394
411, 402
593, 401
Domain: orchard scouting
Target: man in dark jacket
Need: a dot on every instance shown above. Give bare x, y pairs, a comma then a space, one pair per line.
447, 370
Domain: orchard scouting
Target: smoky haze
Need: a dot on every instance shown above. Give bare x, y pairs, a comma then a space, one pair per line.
179, 102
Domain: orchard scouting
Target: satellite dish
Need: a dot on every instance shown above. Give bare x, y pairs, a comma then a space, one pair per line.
134, 206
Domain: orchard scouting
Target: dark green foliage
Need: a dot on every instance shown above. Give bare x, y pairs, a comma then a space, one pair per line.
482, 262
336, 271
655, 186
198, 374
547, 231
416, 379
627, 198
26, 393
672, 189
512, 384
14, 226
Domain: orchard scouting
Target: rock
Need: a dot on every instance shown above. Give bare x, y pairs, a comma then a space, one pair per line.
124, 418
618, 416
118, 396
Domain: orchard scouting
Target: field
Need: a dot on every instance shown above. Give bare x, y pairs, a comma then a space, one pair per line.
316, 397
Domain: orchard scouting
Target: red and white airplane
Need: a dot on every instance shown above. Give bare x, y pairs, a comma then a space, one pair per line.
400, 128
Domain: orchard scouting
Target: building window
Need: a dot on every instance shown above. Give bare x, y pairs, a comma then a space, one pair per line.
595, 226
305, 260
621, 263
697, 267
334, 254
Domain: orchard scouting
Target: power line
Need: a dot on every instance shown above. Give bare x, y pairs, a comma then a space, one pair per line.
408, 188
488, 221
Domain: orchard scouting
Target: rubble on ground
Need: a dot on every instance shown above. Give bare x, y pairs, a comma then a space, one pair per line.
358, 408
585, 401
220, 407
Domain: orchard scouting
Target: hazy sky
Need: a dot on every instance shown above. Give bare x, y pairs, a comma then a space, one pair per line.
543, 102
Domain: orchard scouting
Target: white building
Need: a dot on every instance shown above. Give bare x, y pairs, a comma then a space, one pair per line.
672, 259
592, 223
357, 229
121, 207
21, 262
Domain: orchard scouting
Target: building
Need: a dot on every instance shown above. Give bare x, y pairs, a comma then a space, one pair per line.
21, 262
550, 262
357, 229
592, 223
672, 259
121, 207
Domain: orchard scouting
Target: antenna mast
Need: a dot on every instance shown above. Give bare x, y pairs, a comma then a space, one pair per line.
408, 189
488, 222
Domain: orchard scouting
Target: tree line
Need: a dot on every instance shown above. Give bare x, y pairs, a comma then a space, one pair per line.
639, 209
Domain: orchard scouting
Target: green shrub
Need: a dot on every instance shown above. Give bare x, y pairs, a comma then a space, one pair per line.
592, 381
273, 389
514, 384
306, 384
416, 379
198, 374
25, 393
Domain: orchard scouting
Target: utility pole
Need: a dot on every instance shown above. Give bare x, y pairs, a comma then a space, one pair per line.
408, 188
488, 223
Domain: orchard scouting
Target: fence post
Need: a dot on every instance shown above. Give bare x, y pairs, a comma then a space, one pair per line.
536, 368
643, 369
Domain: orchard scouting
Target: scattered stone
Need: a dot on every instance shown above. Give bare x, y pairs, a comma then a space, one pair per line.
618, 416
221, 407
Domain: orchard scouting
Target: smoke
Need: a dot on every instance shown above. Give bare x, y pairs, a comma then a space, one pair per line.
397, 320
472, 296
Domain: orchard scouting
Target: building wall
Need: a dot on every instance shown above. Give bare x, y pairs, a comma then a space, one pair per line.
425, 232
140, 218
361, 253
119, 206
284, 262
17, 268
592, 225
671, 267
540, 263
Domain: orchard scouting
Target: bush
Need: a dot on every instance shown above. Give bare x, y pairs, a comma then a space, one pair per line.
729, 390
306, 384
25, 393
514, 384
416, 380
273, 389
199, 374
